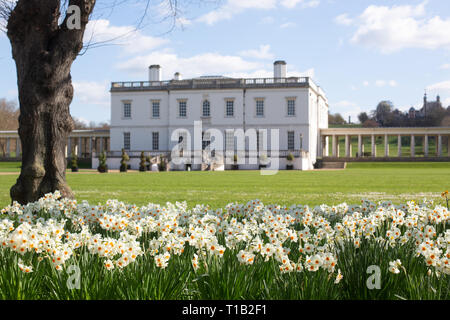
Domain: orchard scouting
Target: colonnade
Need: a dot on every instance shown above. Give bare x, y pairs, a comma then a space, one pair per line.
439, 135
83, 143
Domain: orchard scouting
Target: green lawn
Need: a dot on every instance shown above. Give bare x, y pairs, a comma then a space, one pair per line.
10, 166
398, 182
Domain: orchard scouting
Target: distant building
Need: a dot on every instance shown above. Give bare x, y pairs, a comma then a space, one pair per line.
427, 108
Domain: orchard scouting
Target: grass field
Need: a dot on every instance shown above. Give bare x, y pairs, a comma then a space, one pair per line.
398, 182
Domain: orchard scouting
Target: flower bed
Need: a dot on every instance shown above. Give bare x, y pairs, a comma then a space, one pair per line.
241, 251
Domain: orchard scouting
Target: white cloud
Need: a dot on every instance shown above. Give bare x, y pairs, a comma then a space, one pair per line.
304, 4
266, 73
262, 53
366, 83
204, 64
445, 66
393, 83
343, 19
233, 7
290, 3
93, 93
131, 40
440, 86
198, 65
384, 83
380, 83
391, 29
287, 25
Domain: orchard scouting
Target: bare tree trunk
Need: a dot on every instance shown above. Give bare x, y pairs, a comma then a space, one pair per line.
44, 52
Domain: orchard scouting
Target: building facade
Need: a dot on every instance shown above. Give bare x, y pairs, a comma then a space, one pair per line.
151, 116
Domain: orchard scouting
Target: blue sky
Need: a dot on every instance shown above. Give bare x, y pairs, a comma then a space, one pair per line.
360, 52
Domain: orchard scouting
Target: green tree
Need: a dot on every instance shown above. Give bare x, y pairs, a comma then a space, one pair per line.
46, 37
124, 161
142, 164
363, 117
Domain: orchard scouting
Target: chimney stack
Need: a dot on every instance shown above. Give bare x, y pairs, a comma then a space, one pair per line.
279, 69
154, 73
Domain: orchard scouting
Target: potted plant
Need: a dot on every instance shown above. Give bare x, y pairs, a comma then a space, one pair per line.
124, 161
102, 166
290, 160
235, 166
162, 166
142, 164
149, 163
74, 162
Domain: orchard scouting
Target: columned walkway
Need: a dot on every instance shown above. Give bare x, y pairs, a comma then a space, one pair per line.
353, 144
83, 143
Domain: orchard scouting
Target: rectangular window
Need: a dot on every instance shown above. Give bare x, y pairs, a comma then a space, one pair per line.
206, 108
155, 141
127, 110
260, 108
291, 140
230, 108
182, 109
155, 109
126, 141
291, 107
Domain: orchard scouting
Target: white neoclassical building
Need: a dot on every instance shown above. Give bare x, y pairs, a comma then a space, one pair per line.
286, 113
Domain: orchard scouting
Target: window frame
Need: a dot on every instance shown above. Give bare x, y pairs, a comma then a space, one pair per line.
155, 134
153, 103
291, 139
206, 104
294, 100
229, 100
124, 104
257, 101
184, 101
127, 136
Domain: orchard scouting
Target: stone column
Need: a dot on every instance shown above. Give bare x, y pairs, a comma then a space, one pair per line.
425, 145
18, 148
90, 146
386, 145
333, 146
338, 149
439, 146
413, 146
8, 147
374, 146
448, 145
80, 148
399, 145
69, 147
319, 147
347, 146
359, 145
327, 146
101, 145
